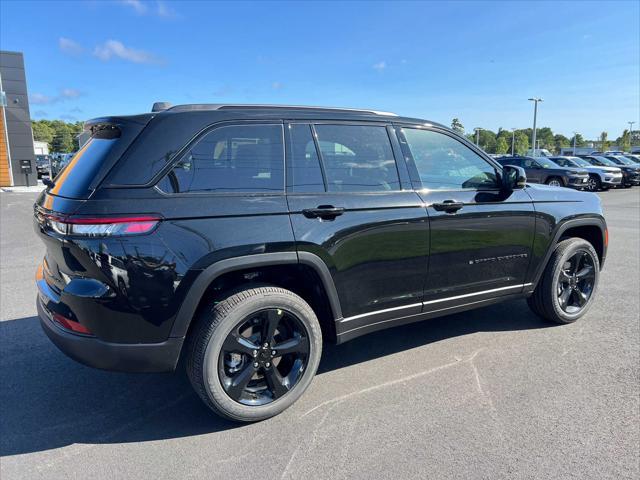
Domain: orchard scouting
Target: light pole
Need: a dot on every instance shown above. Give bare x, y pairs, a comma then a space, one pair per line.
575, 134
477, 130
630, 130
535, 115
513, 140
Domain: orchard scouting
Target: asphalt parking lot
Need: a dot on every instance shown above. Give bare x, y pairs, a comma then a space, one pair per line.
494, 393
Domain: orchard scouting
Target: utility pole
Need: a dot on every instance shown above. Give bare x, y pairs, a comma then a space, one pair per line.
477, 130
535, 115
513, 140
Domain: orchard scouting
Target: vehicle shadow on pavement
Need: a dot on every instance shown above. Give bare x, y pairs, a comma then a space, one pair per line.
49, 401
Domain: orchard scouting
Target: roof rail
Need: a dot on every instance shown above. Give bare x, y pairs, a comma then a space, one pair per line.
220, 106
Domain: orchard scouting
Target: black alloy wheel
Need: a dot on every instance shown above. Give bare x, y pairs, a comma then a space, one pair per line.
263, 357
576, 281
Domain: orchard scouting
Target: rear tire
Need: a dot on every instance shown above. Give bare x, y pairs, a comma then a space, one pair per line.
231, 361
573, 259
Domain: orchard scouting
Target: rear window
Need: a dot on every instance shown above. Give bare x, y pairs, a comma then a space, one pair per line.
238, 158
357, 158
74, 179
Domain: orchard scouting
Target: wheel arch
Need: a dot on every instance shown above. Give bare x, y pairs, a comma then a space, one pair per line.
314, 284
592, 229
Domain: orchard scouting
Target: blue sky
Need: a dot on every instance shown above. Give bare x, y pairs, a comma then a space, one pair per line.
478, 61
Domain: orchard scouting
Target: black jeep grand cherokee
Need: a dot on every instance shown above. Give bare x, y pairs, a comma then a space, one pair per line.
241, 236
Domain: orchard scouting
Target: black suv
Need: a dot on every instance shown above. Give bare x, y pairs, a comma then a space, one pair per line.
545, 170
630, 171
240, 237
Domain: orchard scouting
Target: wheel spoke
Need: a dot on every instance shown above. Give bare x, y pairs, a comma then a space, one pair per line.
581, 298
586, 271
240, 382
564, 276
297, 344
564, 297
275, 382
575, 263
269, 325
237, 343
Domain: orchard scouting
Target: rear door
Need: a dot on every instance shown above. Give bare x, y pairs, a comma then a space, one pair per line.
480, 236
535, 173
352, 205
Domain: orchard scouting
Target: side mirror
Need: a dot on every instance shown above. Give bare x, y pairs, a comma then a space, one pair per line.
513, 177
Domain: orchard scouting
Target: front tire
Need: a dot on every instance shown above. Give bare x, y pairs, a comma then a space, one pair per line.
554, 182
594, 184
568, 284
253, 354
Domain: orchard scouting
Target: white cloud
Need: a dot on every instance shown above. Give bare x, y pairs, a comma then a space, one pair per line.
69, 93
139, 7
69, 46
163, 10
65, 94
116, 49
40, 99
159, 8
379, 66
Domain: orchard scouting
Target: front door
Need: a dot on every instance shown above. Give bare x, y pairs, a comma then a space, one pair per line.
480, 236
348, 207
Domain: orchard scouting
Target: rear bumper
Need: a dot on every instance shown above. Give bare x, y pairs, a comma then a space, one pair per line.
122, 357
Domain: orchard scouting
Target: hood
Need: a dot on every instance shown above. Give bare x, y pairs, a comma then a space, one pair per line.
595, 169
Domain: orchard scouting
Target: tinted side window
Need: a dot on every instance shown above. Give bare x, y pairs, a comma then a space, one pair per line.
357, 158
445, 163
239, 158
304, 174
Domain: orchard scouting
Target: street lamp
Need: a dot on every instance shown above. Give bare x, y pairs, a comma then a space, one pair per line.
575, 134
630, 130
477, 130
513, 140
535, 115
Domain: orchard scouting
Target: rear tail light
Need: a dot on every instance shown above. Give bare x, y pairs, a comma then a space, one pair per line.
69, 324
102, 226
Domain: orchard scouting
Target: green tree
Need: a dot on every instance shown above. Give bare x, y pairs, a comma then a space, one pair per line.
522, 141
502, 146
560, 141
63, 140
624, 141
457, 126
604, 144
42, 132
580, 141
545, 137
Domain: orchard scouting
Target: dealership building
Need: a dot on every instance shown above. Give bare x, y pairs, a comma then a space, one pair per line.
16, 137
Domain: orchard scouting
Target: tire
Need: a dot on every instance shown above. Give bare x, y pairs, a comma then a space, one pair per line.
221, 321
554, 182
546, 300
594, 184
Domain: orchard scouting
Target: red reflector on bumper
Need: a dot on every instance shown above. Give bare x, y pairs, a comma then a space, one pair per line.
67, 324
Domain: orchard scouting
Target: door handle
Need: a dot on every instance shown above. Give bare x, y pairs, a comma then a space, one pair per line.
449, 206
326, 212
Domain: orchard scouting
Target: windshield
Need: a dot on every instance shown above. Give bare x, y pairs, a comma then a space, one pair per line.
565, 162
625, 160
547, 162
605, 161
581, 162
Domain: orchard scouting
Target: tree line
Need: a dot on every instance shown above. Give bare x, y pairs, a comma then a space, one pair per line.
60, 136
500, 141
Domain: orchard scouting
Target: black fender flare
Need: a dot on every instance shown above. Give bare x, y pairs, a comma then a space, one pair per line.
562, 227
203, 280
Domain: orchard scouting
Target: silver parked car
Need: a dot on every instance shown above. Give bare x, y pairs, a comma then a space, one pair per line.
600, 177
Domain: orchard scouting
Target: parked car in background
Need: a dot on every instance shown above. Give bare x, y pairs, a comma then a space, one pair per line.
600, 178
544, 170
634, 158
60, 161
630, 174
43, 165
